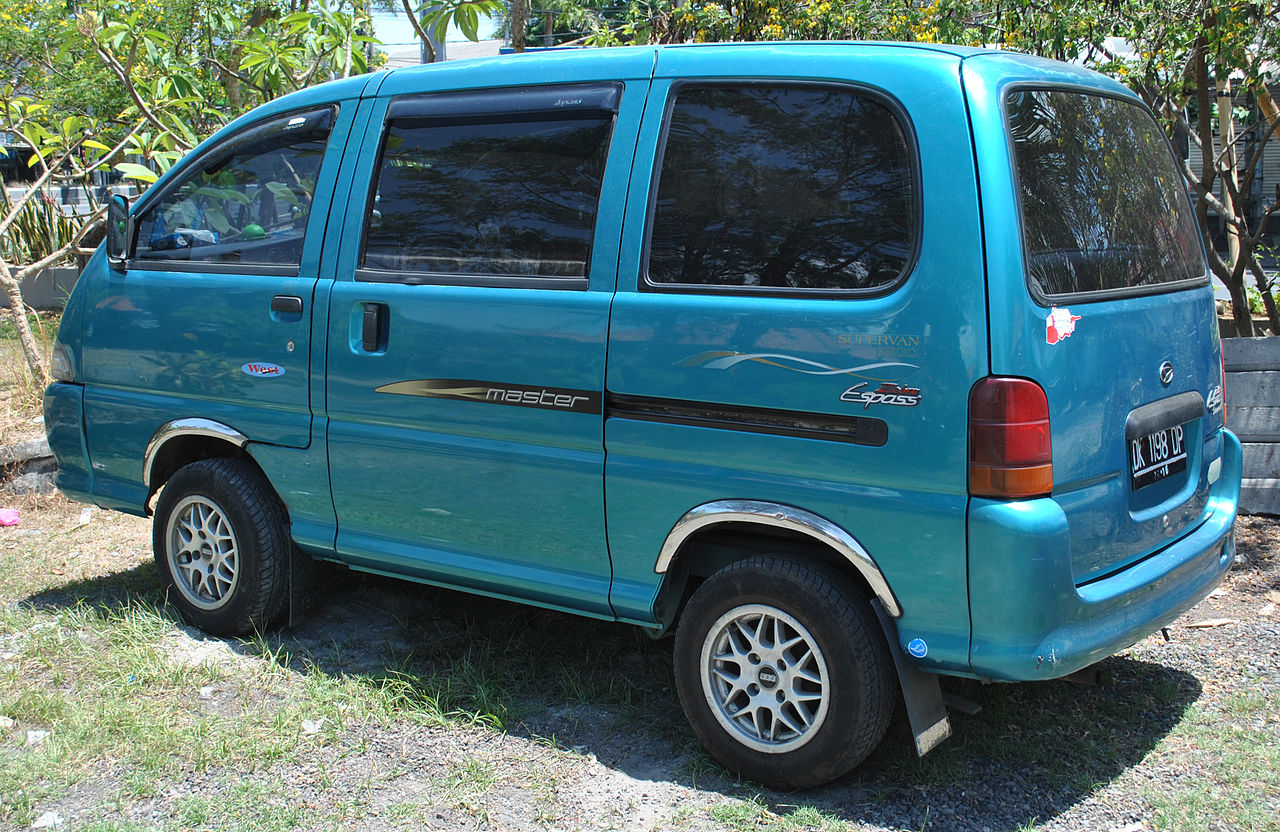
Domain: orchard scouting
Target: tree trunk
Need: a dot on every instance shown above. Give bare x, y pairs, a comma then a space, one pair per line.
1240, 309
1230, 176
18, 310
519, 24
1268, 299
1204, 130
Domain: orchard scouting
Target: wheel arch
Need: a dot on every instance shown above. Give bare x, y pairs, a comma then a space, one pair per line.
715, 534
183, 441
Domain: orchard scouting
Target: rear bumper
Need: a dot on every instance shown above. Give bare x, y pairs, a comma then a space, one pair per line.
64, 424
1031, 621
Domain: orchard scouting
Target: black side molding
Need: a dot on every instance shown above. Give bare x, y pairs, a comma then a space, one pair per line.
856, 430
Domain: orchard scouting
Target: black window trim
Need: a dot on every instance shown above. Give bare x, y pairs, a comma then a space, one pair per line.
364, 274
913, 158
133, 263
1049, 300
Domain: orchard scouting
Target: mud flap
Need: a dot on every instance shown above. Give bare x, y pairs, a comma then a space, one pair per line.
306, 582
926, 709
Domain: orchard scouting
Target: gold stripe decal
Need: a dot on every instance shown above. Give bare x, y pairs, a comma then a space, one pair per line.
492, 392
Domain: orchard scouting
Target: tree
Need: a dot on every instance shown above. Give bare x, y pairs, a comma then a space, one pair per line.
131, 85
435, 16
66, 153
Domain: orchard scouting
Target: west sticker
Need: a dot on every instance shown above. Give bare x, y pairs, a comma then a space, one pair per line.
891, 393
1059, 324
262, 369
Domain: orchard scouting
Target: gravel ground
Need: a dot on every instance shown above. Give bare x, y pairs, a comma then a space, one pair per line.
591, 735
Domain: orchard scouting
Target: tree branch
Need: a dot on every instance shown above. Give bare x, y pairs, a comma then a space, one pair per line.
1207, 195
417, 27
239, 76
1269, 112
120, 72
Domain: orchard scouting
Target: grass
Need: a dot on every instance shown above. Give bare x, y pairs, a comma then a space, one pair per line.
19, 394
753, 814
1242, 761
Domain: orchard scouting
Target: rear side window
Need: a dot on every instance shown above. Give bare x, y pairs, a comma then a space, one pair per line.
783, 187
1104, 208
501, 183
247, 203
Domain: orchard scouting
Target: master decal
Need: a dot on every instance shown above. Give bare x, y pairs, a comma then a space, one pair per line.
492, 392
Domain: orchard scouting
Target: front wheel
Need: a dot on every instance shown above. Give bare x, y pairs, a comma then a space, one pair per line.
221, 543
782, 671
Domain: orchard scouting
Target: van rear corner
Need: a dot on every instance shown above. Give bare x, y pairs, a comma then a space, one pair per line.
1034, 619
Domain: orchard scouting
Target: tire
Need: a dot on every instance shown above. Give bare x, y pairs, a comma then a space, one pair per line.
793, 717
222, 545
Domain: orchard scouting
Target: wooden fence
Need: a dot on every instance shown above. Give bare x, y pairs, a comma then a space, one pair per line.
1253, 413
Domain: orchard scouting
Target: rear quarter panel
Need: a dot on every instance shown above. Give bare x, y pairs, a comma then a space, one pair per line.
905, 501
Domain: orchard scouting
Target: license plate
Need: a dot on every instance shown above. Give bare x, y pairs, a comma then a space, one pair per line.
1157, 455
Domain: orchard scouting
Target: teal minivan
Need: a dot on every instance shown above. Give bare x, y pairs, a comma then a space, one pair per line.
851, 365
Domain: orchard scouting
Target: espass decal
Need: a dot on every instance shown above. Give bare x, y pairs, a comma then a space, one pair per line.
262, 369
1214, 403
888, 392
1059, 324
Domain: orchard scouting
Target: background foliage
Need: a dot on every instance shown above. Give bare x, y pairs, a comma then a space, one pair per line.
131, 85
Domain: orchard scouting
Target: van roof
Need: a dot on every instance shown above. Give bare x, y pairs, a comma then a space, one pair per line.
639, 61
590, 53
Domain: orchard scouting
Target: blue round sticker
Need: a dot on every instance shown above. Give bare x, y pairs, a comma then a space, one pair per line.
918, 648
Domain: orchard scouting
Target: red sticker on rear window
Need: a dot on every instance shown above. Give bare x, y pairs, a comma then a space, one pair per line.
1059, 324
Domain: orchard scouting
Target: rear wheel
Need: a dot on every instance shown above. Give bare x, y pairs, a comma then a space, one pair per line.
221, 544
782, 672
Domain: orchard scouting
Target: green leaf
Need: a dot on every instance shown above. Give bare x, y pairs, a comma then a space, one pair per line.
218, 219
133, 171
470, 23
284, 192
95, 144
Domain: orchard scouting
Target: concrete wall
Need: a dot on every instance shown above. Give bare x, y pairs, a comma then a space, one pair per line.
1253, 414
47, 290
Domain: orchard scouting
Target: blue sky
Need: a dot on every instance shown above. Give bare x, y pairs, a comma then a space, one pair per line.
395, 31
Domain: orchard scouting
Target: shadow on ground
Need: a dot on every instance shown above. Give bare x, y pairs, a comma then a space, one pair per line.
1033, 752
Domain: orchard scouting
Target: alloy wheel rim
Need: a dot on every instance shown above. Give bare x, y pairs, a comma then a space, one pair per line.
765, 678
204, 557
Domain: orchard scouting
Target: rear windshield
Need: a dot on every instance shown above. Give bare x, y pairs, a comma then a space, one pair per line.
1103, 204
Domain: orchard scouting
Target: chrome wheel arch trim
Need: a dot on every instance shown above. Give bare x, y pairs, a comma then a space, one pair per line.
187, 427
781, 517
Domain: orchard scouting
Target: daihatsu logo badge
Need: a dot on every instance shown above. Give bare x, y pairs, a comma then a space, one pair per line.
1166, 374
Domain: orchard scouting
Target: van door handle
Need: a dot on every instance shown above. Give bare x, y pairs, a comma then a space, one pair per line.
373, 327
287, 304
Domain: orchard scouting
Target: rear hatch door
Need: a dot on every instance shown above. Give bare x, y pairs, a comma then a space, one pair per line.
1098, 291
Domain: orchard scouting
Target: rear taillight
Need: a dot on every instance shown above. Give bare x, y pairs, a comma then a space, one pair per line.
1010, 450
